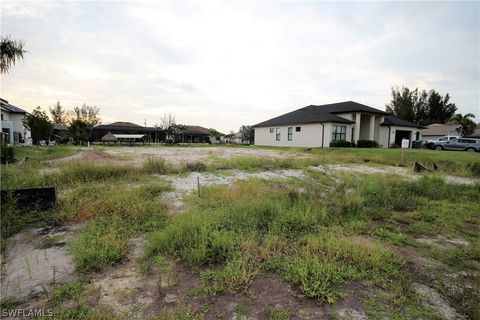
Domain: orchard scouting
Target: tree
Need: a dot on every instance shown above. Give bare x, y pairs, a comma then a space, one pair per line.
10, 52
87, 114
440, 110
468, 125
80, 131
407, 104
247, 133
168, 125
39, 124
179, 128
421, 107
215, 134
58, 113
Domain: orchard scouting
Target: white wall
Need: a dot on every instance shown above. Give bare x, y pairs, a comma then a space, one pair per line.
309, 136
14, 121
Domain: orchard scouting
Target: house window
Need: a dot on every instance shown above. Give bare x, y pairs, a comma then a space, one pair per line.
277, 134
339, 133
290, 133
298, 129
271, 130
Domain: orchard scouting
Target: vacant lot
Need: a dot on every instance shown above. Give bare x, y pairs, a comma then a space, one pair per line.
244, 232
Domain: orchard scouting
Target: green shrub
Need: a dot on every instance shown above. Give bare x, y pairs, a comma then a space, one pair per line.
340, 144
474, 168
367, 144
197, 166
7, 153
155, 165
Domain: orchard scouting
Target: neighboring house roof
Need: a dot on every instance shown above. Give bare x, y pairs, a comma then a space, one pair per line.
123, 124
126, 126
196, 130
475, 134
10, 108
322, 113
394, 121
440, 129
59, 127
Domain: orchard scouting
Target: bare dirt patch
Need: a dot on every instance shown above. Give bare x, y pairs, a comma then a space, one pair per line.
431, 297
444, 242
183, 155
28, 269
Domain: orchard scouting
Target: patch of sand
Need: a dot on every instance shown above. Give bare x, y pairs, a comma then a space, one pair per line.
28, 270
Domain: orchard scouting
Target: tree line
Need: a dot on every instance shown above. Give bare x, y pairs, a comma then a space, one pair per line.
424, 108
79, 122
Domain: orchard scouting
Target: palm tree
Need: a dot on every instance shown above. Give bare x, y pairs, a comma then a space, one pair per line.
11, 51
468, 125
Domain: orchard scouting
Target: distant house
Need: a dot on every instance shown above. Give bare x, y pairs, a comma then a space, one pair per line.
12, 129
237, 138
154, 134
194, 134
317, 126
60, 133
475, 134
438, 130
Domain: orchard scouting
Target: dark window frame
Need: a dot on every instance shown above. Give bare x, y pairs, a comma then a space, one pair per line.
339, 133
277, 134
298, 129
290, 134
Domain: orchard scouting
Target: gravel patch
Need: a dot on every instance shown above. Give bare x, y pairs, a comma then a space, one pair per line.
401, 171
189, 183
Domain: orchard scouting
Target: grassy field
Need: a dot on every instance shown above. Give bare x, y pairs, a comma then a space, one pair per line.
320, 235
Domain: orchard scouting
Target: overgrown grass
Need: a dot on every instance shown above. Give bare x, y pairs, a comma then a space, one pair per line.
115, 214
236, 233
44, 153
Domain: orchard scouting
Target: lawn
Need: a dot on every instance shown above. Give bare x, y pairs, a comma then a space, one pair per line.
329, 241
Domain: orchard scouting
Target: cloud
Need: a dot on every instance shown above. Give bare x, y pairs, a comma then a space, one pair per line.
227, 64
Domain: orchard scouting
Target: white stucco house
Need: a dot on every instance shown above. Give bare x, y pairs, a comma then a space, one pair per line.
317, 126
12, 129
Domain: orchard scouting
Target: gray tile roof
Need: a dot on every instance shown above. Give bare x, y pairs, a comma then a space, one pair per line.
390, 120
322, 113
10, 108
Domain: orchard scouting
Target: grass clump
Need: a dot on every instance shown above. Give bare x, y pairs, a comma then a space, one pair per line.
115, 214
155, 165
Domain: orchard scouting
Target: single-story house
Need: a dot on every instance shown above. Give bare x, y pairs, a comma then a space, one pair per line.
194, 134
236, 138
317, 126
155, 134
475, 134
12, 128
437, 130
60, 133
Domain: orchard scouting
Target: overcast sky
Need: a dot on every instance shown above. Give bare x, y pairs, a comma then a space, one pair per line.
222, 65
